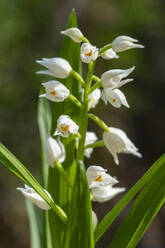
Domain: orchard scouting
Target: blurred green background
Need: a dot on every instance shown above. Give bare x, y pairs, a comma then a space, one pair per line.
30, 30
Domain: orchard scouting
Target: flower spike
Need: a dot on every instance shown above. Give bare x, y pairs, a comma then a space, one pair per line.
114, 97
97, 176
88, 53
113, 78
94, 220
116, 141
31, 194
58, 67
123, 43
103, 194
109, 54
55, 151
65, 126
74, 33
90, 138
55, 91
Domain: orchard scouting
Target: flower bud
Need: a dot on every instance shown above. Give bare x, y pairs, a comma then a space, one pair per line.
55, 151
123, 43
113, 78
65, 126
97, 176
74, 33
116, 141
88, 53
109, 54
95, 97
94, 220
114, 97
55, 91
103, 194
90, 138
31, 194
57, 67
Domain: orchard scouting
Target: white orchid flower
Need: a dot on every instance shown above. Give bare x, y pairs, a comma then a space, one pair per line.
74, 33
116, 141
113, 78
90, 138
109, 54
123, 43
114, 97
88, 53
57, 67
55, 91
95, 97
65, 126
94, 220
31, 194
106, 193
55, 151
97, 176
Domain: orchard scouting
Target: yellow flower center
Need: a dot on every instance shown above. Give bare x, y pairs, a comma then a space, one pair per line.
64, 128
114, 100
89, 54
53, 93
99, 178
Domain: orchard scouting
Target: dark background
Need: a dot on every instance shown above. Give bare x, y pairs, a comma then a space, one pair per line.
30, 30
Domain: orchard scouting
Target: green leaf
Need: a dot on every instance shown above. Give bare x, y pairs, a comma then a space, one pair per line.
112, 215
79, 228
36, 225
57, 185
44, 123
12, 163
144, 209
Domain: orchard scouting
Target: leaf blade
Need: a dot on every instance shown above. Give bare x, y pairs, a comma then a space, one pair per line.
111, 216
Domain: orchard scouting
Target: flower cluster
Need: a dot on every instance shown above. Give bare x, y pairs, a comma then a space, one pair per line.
100, 183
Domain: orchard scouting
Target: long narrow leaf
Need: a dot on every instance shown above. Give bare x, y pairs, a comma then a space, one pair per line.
111, 216
144, 209
7, 158
36, 225
79, 229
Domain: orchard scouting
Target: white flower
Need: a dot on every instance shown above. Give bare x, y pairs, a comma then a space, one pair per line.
114, 97
90, 138
113, 78
97, 176
123, 43
65, 126
57, 67
94, 220
55, 91
109, 54
74, 33
55, 150
95, 97
88, 53
106, 193
30, 194
116, 141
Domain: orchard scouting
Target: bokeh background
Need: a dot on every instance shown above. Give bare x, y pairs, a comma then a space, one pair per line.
30, 30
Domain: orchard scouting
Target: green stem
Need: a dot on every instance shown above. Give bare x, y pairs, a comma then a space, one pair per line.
96, 79
84, 113
105, 48
78, 77
99, 122
62, 172
75, 100
85, 40
94, 87
96, 144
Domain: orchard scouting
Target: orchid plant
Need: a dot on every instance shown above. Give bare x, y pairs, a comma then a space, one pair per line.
65, 105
